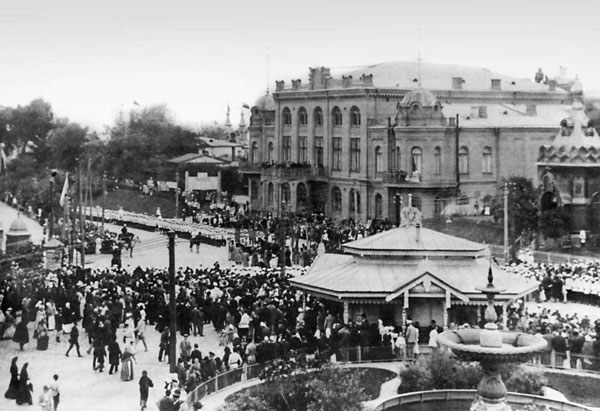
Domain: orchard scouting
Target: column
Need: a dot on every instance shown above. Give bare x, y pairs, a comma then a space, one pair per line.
346, 312
478, 314
447, 305
504, 316
404, 309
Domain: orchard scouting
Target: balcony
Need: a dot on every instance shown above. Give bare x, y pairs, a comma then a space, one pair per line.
247, 167
295, 171
403, 179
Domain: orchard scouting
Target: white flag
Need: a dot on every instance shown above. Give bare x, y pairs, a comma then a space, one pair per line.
65, 191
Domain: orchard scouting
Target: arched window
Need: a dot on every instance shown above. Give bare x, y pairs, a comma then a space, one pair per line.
286, 117
301, 195
270, 190
417, 160
336, 199
437, 160
336, 116
355, 116
285, 193
378, 205
378, 160
271, 152
463, 160
253, 191
254, 153
318, 117
487, 160
302, 117
354, 198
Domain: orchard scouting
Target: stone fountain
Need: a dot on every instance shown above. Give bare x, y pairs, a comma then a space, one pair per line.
491, 348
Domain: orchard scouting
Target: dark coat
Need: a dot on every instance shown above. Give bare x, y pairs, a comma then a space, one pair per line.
114, 353
21, 333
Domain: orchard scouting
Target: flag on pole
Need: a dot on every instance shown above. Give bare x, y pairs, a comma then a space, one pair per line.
65, 191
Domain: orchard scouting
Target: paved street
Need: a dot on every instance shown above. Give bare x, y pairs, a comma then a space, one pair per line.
81, 387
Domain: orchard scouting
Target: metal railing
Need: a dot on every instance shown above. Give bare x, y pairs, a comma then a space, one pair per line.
467, 396
374, 354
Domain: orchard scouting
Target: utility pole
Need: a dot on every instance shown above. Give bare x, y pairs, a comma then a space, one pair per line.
177, 194
456, 153
81, 215
172, 305
51, 220
103, 196
89, 184
506, 223
68, 222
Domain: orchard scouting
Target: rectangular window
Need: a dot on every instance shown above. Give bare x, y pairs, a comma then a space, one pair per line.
355, 154
287, 149
336, 161
487, 163
302, 150
319, 151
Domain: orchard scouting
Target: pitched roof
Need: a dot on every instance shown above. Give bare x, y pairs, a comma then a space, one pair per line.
347, 276
507, 115
413, 241
434, 76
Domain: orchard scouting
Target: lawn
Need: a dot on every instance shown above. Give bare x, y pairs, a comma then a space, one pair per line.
371, 380
135, 201
577, 388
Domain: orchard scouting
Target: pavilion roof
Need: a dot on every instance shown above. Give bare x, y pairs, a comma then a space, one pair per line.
347, 276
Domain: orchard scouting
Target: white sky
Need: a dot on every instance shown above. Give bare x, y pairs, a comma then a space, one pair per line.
90, 59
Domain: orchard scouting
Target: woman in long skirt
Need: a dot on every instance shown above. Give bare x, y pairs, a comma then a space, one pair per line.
24, 391
13, 386
21, 334
127, 359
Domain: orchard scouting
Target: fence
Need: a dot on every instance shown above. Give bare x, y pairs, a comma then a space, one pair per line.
544, 256
358, 355
465, 397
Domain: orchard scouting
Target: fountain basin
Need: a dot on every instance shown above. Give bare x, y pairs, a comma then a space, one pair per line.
515, 346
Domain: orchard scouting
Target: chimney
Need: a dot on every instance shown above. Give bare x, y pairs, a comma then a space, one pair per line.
279, 85
457, 83
346, 81
296, 84
496, 84
531, 109
552, 85
367, 80
482, 111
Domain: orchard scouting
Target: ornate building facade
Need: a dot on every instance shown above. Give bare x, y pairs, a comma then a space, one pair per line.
356, 145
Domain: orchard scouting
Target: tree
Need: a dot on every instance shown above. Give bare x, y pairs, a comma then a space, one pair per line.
29, 127
522, 206
554, 223
67, 144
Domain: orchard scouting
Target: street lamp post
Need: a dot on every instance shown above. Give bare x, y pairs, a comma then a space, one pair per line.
51, 220
172, 305
103, 196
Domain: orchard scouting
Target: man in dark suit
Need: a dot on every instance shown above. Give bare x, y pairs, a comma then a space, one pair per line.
74, 340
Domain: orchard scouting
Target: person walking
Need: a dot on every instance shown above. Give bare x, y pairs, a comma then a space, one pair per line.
21, 333
13, 386
25, 387
145, 384
55, 389
185, 348
45, 400
127, 362
114, 355
99, 355
412, 339
141, 333
164, 345
74, 340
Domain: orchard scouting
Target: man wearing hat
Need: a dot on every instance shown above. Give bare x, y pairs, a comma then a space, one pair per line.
165, 403
185, 348
177, 401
